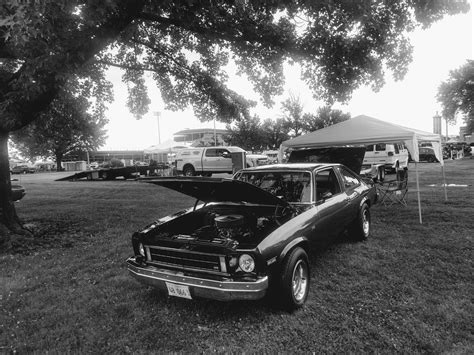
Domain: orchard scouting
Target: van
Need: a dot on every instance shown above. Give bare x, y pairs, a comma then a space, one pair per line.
391, 155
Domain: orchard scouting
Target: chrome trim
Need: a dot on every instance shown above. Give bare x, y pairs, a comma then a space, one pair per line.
223, 265
219, 260
188, 268
180, 250
224, 290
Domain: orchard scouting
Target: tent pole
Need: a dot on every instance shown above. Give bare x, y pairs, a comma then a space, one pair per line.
444, 183
418, 192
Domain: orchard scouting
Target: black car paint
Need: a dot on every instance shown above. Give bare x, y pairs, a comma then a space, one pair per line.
294, 228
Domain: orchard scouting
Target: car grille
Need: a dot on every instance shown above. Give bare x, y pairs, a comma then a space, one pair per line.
186, 259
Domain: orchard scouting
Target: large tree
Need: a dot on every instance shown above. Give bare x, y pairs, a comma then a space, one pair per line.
67, 126
274, 133
292, 115
457, 95
187, 45
246, 133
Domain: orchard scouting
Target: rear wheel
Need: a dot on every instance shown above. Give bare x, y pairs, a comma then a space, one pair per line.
360, 228
294, 280
189, 170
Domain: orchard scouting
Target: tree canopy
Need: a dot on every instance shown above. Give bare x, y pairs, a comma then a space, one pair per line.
65, 127
324, 117
457, 95
187, 45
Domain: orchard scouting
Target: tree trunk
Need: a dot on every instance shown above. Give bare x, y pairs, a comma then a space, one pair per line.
9, 222
59, 161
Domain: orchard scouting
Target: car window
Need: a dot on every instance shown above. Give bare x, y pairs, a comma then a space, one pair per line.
211, 152
349, 179
327, 184
292, 186
380, 147
397, 151
369, 148
220, 152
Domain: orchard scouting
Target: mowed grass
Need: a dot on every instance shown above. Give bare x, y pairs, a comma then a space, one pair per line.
407, 289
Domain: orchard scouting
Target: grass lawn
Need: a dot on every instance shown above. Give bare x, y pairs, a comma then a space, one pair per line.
409, 288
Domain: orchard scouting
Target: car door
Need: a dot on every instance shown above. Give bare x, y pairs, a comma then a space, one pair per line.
217, 160
330, 204
351, 191
224, 161
209, 160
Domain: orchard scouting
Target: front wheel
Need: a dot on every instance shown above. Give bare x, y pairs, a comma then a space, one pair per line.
294, 280
360, 228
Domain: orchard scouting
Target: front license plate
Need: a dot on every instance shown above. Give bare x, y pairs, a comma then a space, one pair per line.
178, 290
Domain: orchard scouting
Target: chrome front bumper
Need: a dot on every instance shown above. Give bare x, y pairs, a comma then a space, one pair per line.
199, 287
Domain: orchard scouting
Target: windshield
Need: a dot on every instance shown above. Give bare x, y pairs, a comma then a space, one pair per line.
293, 187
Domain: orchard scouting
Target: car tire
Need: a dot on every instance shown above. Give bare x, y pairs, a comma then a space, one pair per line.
189, 171
294, 280
360, 228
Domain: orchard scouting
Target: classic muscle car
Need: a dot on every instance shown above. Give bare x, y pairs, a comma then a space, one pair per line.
250, 235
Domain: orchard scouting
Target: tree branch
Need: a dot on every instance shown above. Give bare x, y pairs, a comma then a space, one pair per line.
123, 66
26, 107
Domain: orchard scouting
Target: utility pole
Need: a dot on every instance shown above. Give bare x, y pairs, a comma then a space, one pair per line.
215, 135
447, 137
158, 115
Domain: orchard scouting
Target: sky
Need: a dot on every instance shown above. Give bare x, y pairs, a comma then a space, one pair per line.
445, 46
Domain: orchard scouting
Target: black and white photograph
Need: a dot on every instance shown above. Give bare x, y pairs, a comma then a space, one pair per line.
247, 176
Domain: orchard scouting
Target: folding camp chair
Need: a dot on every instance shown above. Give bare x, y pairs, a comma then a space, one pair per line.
394, 191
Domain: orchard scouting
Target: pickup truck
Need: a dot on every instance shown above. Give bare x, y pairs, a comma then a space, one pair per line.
205, 161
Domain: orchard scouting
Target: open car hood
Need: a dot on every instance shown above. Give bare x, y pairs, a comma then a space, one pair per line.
218, 190
352, 157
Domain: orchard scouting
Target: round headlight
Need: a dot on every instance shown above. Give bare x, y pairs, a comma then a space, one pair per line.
141, 249
246, 263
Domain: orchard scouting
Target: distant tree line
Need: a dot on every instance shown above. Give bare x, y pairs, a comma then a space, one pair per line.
255, 135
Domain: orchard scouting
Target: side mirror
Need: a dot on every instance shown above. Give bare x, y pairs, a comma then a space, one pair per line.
225, 154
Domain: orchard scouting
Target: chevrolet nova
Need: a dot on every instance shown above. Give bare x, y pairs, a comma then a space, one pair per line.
250, 235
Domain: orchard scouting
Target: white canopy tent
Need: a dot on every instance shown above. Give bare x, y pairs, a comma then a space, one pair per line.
365, 130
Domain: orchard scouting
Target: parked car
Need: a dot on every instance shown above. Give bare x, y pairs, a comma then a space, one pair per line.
205, 161
427, 154
250, 235
392, 156
256, 159
23, 169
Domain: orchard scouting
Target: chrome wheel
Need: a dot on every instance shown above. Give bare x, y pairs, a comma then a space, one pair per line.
366, 222
300, 280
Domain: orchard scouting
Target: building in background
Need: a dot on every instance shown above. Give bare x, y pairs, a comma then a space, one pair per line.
201, 136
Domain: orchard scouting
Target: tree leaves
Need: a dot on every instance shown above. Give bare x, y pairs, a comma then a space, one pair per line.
457, 94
